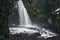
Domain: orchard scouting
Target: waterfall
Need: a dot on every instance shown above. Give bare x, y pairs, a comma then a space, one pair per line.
23, 15
26, 22
24, 19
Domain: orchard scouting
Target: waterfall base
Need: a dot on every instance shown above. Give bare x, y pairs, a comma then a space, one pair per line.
28, 26
44, 33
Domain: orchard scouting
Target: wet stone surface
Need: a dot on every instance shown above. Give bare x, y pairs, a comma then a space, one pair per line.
30, 37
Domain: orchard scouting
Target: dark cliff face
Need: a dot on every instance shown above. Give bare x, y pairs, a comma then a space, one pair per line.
6, 6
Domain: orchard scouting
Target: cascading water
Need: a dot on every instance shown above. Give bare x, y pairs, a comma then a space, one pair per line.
23, 15
26, 22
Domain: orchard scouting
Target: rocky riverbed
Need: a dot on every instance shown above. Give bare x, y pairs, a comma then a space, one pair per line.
30, 37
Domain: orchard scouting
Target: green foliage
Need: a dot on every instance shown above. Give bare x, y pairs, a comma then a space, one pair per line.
37, 8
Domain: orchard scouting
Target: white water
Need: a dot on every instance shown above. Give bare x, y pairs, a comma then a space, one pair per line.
23, 15
26, 22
